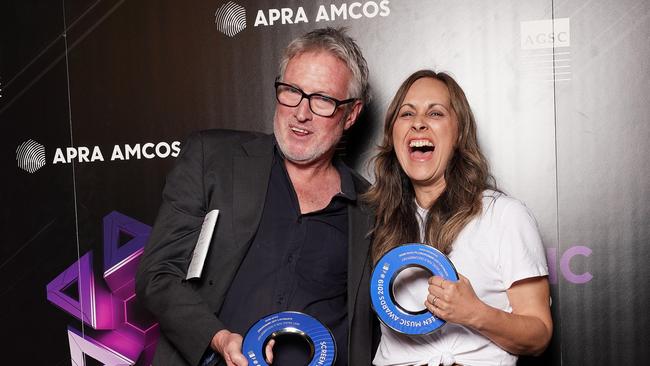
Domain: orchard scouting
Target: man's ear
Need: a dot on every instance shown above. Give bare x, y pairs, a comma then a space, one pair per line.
353, 114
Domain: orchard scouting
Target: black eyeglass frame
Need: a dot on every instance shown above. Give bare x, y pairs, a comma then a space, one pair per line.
337, 103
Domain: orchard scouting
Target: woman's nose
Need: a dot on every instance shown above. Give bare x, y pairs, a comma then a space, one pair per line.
418, 125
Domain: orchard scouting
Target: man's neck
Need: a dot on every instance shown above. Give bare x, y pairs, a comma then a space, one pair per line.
315, 184
303, 173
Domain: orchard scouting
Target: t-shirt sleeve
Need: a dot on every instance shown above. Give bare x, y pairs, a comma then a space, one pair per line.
521, 252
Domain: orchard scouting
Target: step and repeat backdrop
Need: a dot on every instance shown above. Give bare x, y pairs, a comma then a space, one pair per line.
97, 98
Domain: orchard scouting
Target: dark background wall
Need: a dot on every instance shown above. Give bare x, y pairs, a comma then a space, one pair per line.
559, 89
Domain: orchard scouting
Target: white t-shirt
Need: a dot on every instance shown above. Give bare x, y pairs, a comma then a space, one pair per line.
497, 248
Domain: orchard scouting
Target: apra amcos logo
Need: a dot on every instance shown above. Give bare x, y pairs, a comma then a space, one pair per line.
230, 18
30, 155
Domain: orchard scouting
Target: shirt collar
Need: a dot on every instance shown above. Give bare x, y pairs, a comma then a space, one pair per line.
347, 184
345, 173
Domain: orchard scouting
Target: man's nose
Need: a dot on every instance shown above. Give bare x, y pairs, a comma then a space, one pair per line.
303, 111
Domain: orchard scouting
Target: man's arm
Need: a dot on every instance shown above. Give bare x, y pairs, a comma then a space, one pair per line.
184, 317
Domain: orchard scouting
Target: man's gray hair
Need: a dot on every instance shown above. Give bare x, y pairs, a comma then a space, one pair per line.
339, 44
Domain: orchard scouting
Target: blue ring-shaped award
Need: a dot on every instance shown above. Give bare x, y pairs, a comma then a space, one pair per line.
381, 287
320, 339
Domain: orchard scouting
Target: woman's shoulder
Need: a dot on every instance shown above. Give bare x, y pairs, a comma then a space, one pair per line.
497, 204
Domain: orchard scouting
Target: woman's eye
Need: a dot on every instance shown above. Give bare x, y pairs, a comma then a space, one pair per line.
435, 114
406, 114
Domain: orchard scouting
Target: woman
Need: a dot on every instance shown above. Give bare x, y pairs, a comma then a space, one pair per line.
433, 186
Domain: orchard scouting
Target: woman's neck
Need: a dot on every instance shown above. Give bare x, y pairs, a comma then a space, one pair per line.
426, 196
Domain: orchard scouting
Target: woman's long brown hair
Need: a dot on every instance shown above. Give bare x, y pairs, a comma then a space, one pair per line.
393, 198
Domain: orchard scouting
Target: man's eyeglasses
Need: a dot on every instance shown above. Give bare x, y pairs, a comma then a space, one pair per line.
322, 105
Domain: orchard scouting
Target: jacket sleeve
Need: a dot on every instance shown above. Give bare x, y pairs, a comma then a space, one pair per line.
184, 317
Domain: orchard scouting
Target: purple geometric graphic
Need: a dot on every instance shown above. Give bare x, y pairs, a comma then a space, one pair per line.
81, 345
123, 332
94, 304
119, 259
139, 320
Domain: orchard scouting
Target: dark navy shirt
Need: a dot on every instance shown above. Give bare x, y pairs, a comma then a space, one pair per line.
295, 262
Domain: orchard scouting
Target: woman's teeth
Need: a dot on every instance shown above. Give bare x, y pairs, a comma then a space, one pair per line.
420, 143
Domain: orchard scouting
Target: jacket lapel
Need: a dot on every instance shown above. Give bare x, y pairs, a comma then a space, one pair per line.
358, 249
251, 172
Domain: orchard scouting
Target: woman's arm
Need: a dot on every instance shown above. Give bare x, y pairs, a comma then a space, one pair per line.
525, 331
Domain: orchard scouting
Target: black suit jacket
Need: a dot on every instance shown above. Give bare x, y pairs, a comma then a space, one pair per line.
228, 171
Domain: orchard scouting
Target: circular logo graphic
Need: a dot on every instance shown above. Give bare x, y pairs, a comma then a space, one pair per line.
388, 268
320, 339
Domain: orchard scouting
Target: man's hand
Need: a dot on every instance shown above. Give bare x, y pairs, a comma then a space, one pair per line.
228, 345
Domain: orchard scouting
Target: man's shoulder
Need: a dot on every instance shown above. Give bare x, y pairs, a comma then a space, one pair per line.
361, 184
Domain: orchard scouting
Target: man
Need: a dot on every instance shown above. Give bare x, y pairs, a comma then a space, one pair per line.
290, 234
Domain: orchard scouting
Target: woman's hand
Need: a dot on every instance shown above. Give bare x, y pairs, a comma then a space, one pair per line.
455, 302
526, 330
